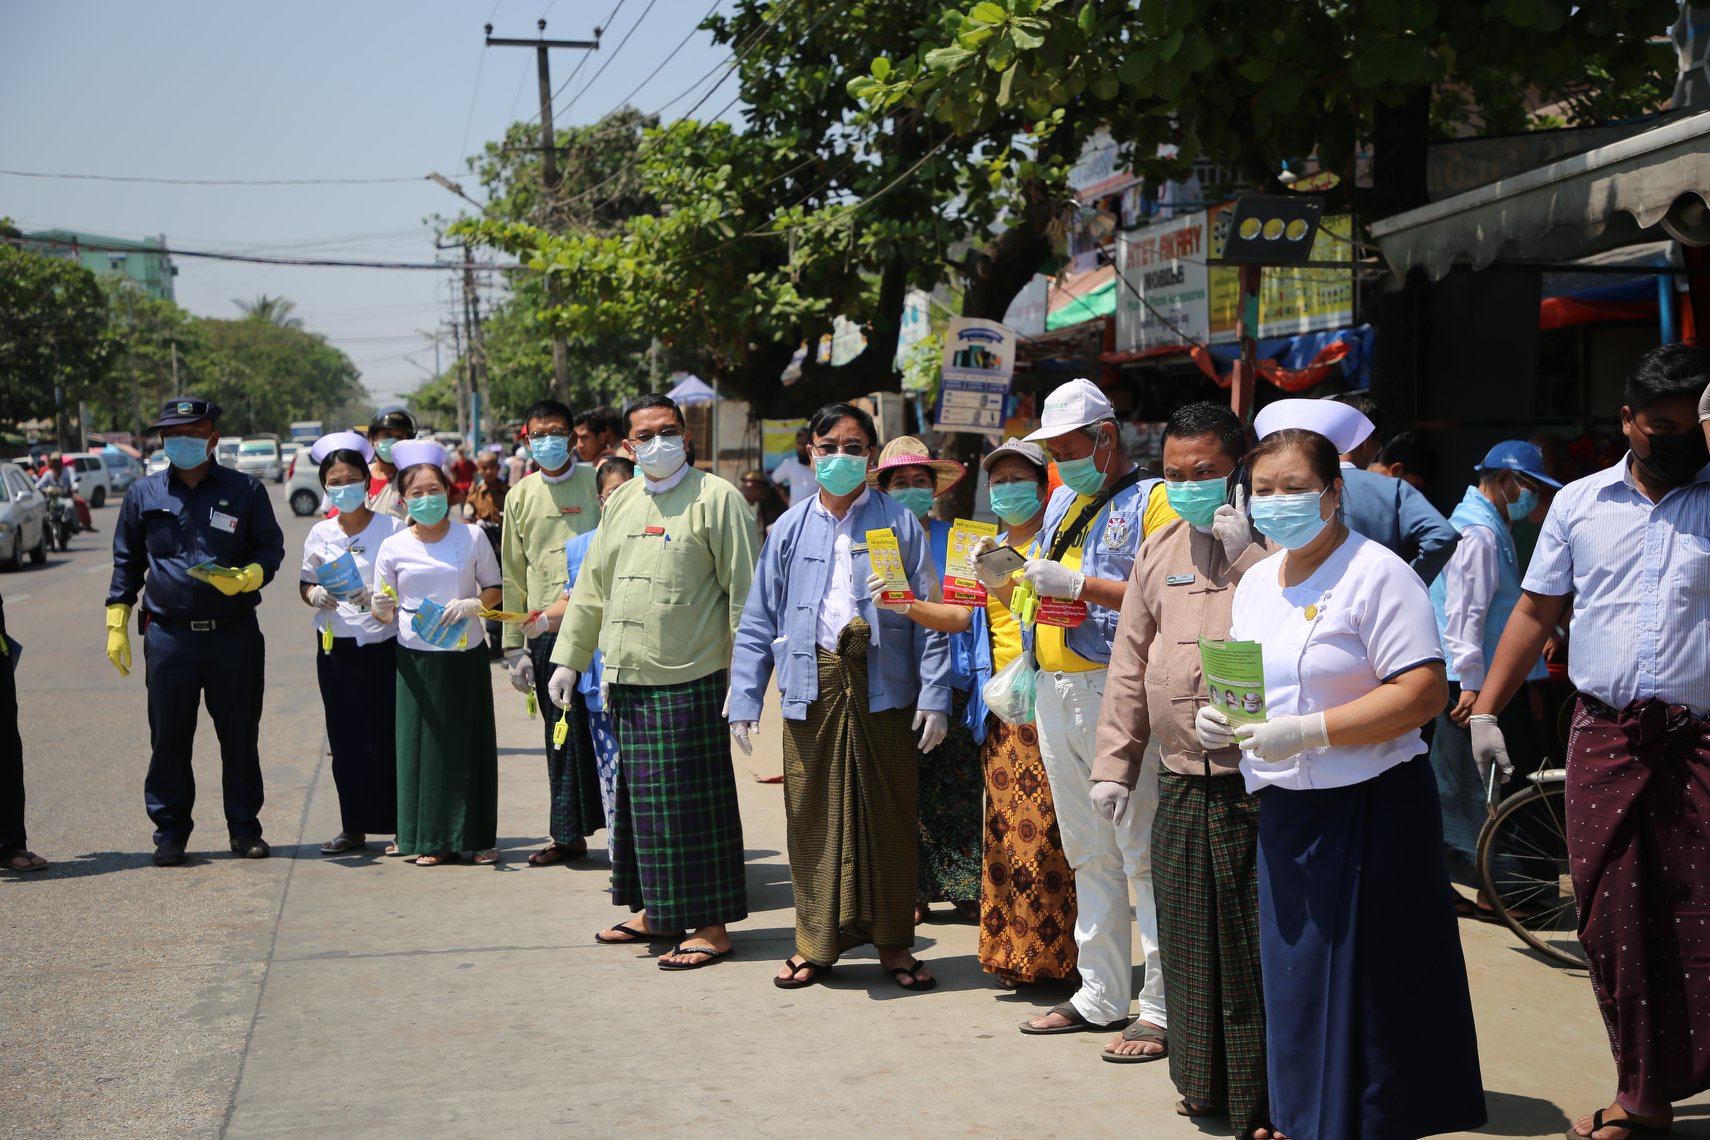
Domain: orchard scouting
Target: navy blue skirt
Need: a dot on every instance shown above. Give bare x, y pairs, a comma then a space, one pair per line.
1369, 1022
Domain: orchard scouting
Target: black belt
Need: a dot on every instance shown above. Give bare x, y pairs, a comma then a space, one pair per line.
201, 625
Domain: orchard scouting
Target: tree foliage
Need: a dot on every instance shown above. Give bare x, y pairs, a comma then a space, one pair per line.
53, 333
270, 310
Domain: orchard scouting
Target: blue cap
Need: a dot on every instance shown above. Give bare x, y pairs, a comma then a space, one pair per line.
185, 410
1518, 455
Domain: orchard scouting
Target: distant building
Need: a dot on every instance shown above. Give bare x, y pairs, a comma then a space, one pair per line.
146, 262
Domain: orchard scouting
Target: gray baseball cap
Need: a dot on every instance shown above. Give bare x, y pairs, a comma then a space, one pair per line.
1031, 452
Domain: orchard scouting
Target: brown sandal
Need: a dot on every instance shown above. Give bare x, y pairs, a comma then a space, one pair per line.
23, 861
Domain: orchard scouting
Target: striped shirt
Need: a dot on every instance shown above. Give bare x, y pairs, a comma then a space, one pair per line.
1639, 573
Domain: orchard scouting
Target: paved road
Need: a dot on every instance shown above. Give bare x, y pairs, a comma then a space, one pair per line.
305, 996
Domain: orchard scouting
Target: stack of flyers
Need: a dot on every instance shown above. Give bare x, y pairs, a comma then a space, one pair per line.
341, 577
432, 627
884, 553
208, 571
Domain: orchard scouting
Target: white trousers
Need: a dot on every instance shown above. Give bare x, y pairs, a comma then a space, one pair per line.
1110, 860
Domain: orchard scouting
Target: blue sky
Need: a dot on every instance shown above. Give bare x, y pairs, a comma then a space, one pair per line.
370, 89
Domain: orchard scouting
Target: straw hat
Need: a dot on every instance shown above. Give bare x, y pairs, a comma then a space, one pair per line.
907, 451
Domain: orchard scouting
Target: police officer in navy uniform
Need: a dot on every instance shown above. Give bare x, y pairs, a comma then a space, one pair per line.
200, 636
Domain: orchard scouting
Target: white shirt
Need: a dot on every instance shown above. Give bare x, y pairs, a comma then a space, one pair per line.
660, 486
326, 542
1469, 582
1371, 620
798, 477
460, 565
837, 609
1639, 573
564, 474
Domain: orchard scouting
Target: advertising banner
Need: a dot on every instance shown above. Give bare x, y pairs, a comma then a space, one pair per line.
1165, 264
979, 358
1291, 301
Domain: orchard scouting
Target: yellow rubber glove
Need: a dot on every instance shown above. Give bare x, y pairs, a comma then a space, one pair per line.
119, 637
230, 587
253, 577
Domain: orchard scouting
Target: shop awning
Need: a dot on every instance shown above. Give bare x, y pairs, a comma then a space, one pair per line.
1082, 297
1608, 196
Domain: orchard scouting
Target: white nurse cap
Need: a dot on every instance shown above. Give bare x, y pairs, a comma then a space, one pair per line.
1342, 425
342, 441
410, 452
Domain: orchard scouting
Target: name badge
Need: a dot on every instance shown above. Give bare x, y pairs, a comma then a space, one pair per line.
1178, 580
654, 530
219, 520
569, 510
861, 549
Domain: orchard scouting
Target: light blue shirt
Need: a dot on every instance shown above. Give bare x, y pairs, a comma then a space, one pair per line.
1392, 513
907, 666
1639, 574
1108, 550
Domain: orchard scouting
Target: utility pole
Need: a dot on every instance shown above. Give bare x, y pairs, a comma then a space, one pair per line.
549, 170
477, 351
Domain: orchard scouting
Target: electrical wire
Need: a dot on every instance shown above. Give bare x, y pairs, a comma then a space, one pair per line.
607, 62
225, 181
469, 119
575, 71
256, 259
673, 55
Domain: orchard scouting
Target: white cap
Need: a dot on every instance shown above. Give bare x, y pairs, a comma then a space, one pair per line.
341, 441
1337, 422
410, 452
1077, 404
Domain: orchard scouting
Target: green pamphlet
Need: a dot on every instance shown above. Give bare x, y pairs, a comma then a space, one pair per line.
208, 571
1235, 678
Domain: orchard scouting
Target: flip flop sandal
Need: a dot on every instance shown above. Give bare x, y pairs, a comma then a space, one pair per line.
1077, 1023
555, 853
636, 936
1185, 1107
489, 858
437, 860
898, 973
709, 956
391, 850
338, 845
1633, 1129
791, 983
31, 862
1138, 1032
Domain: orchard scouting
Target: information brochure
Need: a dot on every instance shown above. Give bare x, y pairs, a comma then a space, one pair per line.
1235, 678
961, 585
341, 577
884, 553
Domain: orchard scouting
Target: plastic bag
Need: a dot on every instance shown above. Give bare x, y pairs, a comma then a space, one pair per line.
1009, 694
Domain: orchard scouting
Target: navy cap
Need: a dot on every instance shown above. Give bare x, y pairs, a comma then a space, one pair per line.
1518, 455
185, 410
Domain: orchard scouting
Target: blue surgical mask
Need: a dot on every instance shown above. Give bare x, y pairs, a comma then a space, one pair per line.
428, 509
1015, 503
1524, 505
1082, 476
550, 451
1290, 521
185, 451
348, 497
383, 448
840, 474
1197, 500
918, 500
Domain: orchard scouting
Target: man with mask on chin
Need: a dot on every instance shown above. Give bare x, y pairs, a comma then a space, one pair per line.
660, 594
543, 511
1630, 548
200, 637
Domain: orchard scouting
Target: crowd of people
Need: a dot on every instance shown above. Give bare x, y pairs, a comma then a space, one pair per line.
1289, 873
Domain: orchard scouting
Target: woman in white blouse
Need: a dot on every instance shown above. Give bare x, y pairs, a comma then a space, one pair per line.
434, 578
1370, 1022
355, 664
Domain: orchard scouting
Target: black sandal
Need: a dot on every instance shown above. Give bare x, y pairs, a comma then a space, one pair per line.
1077, 1023
898, 973
791, 983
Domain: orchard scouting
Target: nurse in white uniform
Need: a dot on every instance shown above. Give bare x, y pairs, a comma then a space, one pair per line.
355, 660
1370, 1026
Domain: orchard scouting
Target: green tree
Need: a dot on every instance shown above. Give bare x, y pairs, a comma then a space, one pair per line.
53, 334
266, 375
270, 310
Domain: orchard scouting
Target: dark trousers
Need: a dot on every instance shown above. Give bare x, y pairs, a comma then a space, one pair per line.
576, 810
11, 757
224, 666
359, 688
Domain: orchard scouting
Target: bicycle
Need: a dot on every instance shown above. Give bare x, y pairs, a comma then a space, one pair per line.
1523, 864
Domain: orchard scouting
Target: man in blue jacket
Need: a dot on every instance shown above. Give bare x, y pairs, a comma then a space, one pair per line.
1391, 511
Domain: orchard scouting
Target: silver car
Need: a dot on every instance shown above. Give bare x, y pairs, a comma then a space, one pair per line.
260, 458
23, 519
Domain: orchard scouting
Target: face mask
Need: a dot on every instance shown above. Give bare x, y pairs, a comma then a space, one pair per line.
1015, 502
840, 474
918, 500
660, 456
1197, 500
186, 451
348, 497
384, 449
1675, 459
428, 509
1291, 521
1082, 476
1524, 505
550, 451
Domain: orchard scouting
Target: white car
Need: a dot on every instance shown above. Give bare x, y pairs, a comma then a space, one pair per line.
23, 519
156, 463
226, 452
91, 477
303, 486
260, 457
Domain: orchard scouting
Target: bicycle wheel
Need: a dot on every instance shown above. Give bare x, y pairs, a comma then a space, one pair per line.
1523, 863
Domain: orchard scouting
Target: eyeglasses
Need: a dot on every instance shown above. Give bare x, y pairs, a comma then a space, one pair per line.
856, 449
668, 433
549, 433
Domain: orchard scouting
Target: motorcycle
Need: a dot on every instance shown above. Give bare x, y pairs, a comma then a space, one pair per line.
61, 518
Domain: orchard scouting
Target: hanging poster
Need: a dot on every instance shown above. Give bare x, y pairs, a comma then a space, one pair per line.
1291, 301
979, 358
1164, 263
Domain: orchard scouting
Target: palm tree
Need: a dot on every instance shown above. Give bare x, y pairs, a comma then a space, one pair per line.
270, 310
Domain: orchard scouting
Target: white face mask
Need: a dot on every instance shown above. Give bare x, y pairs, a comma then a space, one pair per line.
660, 456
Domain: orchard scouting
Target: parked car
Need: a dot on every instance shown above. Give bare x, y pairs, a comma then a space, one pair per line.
157, 463
303, 486
123, 469
23, 519
288, 450
90, 476
226, 452
259, 456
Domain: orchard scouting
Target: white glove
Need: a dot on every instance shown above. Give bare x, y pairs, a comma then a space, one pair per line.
1053, 579
462, 609
1110, 799
745, 731
875, 586
521, 668
605, 687
385, 607
1212, 727
934, 726
1231, 527
561, 686
1489, 747
541, 624
1277, 739
320, 599
361, 598
988, 575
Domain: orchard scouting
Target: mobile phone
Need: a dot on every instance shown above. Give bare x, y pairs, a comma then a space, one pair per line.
1493, 790
1005, 560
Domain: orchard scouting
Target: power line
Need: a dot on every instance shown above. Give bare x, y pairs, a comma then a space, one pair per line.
469, 119
575, 71
223, 181
670, 57
257, 259
607, 62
